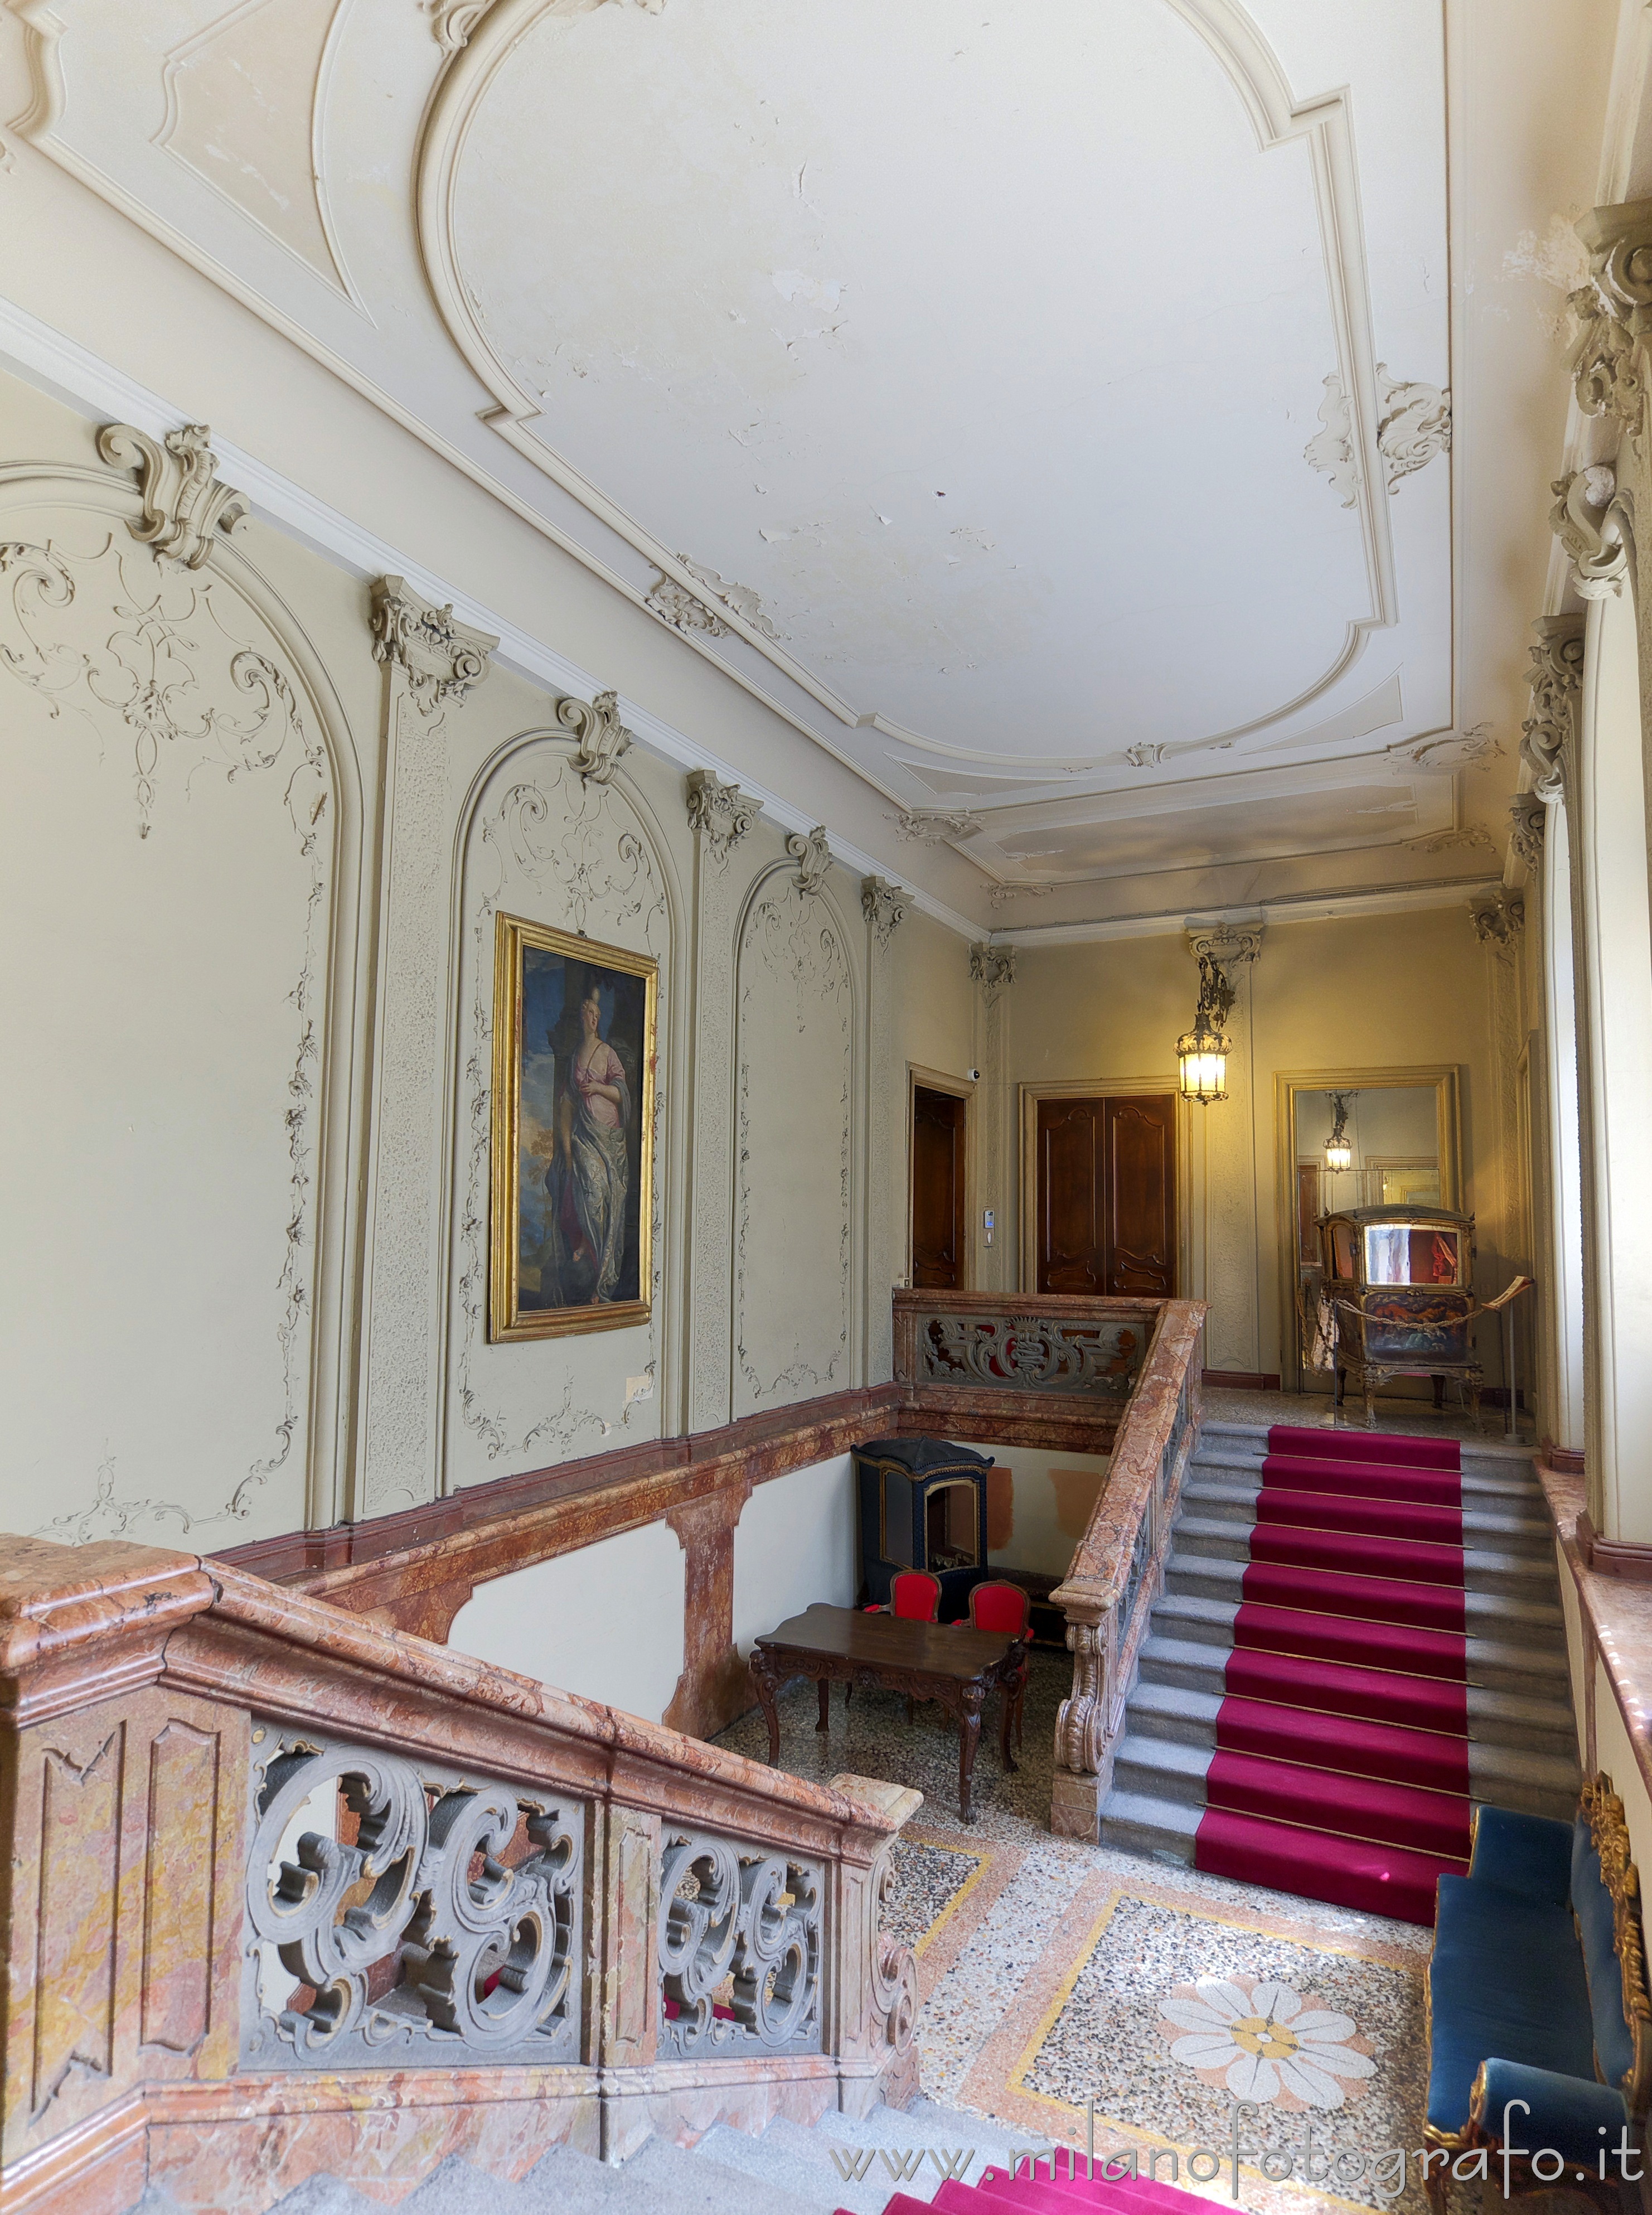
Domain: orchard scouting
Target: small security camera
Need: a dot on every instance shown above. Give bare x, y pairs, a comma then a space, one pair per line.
974, 1076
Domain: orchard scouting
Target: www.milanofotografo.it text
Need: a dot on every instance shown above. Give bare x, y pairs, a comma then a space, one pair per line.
1383, 2175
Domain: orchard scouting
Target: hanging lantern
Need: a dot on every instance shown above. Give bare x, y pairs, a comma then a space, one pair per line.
1339, 1153
1202, 1052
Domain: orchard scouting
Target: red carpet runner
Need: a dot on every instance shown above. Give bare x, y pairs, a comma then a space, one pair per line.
1342, 1763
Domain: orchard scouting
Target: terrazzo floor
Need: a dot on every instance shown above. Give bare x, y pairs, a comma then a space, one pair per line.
1057, 1974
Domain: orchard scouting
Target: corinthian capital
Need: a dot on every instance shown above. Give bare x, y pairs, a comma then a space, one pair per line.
717, 813
1548, 739
884, 905
441, 657
1614, 311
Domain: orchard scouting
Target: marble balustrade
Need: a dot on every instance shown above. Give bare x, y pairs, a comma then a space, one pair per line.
1117, 1569
289, 1893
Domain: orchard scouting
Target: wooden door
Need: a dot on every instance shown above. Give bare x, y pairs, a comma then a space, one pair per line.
1106, 1195
937, 1226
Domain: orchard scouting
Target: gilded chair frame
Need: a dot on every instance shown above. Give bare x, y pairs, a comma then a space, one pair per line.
1610, 1832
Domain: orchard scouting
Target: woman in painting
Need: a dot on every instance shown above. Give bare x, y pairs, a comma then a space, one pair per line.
590, 1173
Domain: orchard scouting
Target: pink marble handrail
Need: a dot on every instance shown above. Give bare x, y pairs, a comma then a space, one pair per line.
79, 1625
1116, 1571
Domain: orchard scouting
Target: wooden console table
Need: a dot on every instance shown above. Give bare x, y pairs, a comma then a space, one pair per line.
939, 1662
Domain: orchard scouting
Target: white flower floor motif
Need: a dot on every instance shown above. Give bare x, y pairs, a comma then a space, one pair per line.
1267, 2042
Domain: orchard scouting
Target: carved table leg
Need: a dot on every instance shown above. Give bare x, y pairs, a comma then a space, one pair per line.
824, 1689
1007, 1687
969, 1739
763, 1676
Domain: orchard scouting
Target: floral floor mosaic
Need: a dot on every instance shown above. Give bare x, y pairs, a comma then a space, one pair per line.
1069, 1987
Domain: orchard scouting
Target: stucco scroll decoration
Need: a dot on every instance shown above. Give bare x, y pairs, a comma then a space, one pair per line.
1613, 312
442, 658
1444, 753
675, 604
739, 1938
1548, 742
452, 22
602, 737
1498, 918
1528, 818
1228, 945
739, 600
449, 1925
933, 825
884, 905
184, 503
993, 966
1028, 1354
717, 813
813, 856
1002, 895
1599, 557
1413, 426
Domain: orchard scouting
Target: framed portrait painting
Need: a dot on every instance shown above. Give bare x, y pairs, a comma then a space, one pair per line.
572, 1134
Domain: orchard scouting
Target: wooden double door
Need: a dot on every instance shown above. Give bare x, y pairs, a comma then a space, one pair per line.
1106, 1195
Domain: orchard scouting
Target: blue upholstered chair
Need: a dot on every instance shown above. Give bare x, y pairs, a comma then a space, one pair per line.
1537, 1992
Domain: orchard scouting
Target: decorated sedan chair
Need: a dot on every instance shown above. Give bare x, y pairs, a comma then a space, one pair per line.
1394, 1297
923, 1507
1541, 2026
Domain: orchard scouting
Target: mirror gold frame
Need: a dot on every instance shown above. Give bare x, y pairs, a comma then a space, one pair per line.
1444, 1079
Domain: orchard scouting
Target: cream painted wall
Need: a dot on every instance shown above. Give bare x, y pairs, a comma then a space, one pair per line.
248, 1154
797, 1542
606, 1622
938, 1019
1379, 993
1051, 1497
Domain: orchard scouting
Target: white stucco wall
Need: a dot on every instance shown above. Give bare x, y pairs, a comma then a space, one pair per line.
795, 1543
605, 1622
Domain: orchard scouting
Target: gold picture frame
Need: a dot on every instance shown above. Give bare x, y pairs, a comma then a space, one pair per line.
575, 1044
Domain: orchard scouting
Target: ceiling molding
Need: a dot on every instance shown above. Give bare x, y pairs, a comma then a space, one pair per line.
94, 389
1309, 907
1322, 123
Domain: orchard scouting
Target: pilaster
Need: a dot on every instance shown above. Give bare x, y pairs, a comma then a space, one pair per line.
719, 819
431, 663
993, 968
1228, 1129
884, 905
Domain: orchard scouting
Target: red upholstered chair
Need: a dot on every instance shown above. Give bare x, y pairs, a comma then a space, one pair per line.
999, 1607
916, 1595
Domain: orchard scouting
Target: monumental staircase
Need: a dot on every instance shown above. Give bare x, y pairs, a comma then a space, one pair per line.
1359, 1639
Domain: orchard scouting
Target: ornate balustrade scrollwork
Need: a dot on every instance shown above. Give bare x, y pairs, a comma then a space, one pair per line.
1040, 1345
1108, 1594
739, 1947
422, 1913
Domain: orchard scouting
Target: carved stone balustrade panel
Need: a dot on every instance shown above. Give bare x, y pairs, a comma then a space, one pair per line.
1031, 1353
406, 1914
739, 1940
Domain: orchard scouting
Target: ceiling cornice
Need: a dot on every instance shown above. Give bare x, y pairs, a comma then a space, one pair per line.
1307, 907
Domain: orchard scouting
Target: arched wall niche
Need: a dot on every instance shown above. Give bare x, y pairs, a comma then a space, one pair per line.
534, 839
183, 844
799, 1139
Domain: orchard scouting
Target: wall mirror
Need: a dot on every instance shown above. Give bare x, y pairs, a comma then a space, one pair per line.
1399, 1135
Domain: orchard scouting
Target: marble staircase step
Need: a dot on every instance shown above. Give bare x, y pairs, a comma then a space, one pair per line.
790, 2169
1201, 1574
